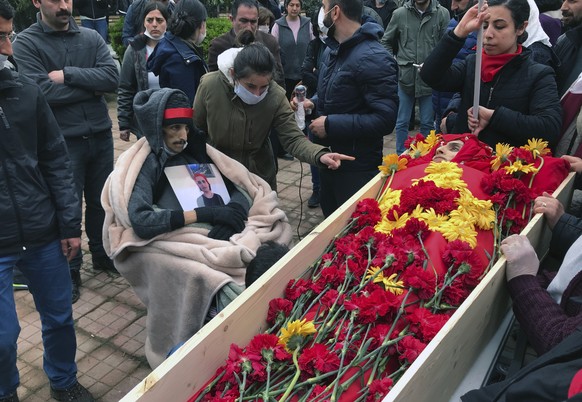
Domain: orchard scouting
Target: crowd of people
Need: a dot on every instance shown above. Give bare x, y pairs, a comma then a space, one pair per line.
365, 66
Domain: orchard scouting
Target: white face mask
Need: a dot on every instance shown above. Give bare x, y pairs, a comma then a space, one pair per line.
201, 38
153, 37
320, 17
264, 28
322, 28
3, 60
248, 97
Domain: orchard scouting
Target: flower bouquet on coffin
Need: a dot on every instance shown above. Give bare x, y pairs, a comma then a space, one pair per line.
360, 315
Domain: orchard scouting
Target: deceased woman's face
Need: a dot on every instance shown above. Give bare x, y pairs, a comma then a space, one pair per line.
447, 151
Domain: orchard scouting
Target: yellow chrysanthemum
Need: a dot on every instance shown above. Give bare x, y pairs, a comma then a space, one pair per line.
392, 163
518, 166
444, 168
432, 139
416, 212
457, 229
387, 225
390, 283
502, 152
445, 175
295, 332
389, 199
481, 211
419, 149
432, 219
537, 147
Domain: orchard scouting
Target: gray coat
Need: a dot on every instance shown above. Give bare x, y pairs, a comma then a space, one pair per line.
89, 71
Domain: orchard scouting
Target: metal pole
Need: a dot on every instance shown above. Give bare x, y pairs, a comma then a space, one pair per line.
478, 58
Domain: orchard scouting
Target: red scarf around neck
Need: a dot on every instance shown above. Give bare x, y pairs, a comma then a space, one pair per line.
492, 64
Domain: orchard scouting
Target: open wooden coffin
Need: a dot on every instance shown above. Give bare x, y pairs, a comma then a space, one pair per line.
434, 376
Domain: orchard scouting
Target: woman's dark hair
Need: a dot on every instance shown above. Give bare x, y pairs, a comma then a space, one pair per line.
253, 59
519, 10
187, 17
315, 23
548, 5
289, 1
155, 5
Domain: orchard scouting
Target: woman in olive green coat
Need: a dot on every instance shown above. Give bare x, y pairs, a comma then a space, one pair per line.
237, 107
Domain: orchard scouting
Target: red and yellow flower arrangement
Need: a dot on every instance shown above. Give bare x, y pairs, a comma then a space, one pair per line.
381, 291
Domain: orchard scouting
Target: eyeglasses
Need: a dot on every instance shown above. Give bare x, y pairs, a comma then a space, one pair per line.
6, 36
247, 21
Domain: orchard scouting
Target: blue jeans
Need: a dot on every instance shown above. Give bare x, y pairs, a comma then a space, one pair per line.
91, 162
98, 25
47, 270
405, 111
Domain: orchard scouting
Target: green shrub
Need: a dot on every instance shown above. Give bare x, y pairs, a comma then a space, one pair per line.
214, 27
24, 14
115, 29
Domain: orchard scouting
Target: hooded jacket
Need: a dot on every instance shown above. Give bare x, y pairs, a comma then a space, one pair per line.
89, 71
523, 94
177, 64
146, 219
357, 91
242, 131
410, 37
38, 202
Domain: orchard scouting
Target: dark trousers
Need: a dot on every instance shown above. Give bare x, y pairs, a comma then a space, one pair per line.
92, 162
337, 186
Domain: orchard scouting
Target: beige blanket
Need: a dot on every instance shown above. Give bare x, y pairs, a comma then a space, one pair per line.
176, 274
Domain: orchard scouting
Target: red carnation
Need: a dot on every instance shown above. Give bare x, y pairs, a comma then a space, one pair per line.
422, 281
296, 288
367, 212
279, 310
317, 359
410, 348
456, 293
379, 388
426, 324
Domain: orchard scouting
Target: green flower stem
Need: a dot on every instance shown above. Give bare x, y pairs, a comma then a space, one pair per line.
209, 387
344, 351
533, 175
295, 377
425, 251
242, 386
268, 382
381, 193
387, 264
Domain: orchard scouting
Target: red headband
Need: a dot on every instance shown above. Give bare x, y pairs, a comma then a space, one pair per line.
178, 113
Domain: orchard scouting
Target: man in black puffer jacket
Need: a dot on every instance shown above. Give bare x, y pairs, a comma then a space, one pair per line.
357, 99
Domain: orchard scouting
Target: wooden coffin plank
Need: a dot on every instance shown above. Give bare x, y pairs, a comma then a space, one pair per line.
439, 369
436, 372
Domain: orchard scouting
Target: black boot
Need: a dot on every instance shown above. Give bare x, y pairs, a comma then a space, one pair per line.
76, 282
